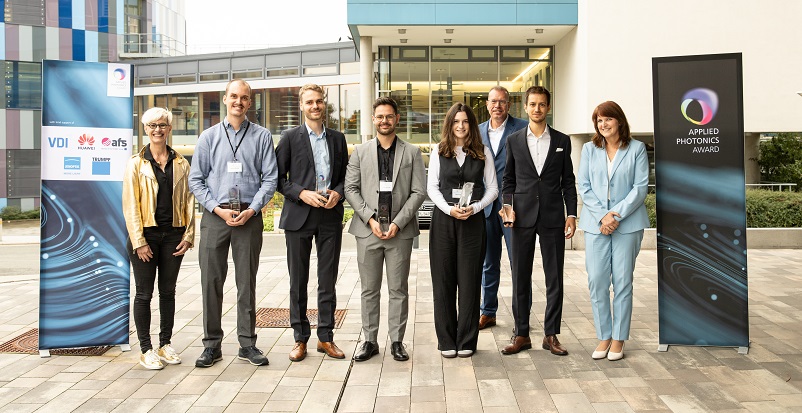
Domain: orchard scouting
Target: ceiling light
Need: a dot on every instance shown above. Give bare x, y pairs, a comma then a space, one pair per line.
530, 40
402, 31
539, 31
446, 40
403, 40
449, 31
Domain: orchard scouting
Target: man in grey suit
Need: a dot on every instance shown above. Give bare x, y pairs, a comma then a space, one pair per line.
385, 184
494, 135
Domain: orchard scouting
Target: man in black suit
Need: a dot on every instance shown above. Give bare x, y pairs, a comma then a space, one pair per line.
540, 174
311, 174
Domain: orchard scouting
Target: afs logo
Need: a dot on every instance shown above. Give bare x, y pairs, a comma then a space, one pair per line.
115, 143
707, 100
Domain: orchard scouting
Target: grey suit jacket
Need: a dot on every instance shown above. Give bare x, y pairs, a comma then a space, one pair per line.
362, 187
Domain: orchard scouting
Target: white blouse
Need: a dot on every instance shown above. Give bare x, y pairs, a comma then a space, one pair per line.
433, 181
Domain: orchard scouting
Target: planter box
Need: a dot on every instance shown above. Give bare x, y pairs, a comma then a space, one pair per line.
757, 238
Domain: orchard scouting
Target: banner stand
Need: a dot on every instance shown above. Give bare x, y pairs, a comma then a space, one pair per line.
741, 350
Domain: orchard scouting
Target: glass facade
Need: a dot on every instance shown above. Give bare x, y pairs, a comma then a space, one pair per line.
276, 109
426, 81
23, 85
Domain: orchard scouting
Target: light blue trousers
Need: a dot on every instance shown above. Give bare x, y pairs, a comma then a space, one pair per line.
610, 259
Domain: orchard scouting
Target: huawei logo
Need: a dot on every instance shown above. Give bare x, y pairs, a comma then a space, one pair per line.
86, 140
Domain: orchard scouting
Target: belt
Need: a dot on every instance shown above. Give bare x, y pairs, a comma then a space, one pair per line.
242, 206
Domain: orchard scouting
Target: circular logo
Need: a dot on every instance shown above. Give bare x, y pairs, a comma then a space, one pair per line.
119, 74
706, 98
106, 141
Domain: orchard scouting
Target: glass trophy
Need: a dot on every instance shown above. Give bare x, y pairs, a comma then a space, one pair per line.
234, 199
384, 217
467, 193
506, 208
322, 186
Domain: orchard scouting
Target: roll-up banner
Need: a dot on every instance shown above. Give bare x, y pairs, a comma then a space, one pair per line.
87, 130
701, 200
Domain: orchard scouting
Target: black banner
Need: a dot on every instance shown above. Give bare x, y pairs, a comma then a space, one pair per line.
701, 200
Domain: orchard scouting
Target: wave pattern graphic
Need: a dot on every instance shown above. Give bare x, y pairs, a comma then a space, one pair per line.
85, 278
703, 289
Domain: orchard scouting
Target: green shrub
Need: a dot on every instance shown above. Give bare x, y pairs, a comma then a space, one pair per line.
780, 159
773, 209
347, 215
11, 213
267, 222
764, 209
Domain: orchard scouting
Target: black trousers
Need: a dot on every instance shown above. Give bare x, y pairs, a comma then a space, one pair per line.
325, 226
456, 252
163, 243
552, 250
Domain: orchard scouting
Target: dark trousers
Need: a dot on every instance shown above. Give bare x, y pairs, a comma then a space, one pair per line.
456, 251
163, 243
325, 226
491, 270
552, 250
246, 244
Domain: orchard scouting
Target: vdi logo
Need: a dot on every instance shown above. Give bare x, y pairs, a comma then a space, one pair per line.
58, 142
706, 98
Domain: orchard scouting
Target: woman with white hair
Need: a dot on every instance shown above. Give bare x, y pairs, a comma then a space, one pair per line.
160, 218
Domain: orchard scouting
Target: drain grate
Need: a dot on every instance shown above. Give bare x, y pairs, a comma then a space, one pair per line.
28, 343
280, 317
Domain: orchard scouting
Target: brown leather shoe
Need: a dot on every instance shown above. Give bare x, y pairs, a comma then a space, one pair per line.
298, 352
517, 344
553, 344
485, 321
330, 349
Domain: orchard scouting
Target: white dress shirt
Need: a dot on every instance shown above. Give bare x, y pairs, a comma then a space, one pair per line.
538, 147
433, 181
494, 135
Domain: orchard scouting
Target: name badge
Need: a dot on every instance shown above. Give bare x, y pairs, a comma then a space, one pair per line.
235, 166
456, 193
385, 186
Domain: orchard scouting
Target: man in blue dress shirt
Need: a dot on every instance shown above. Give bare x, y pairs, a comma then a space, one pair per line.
233, 176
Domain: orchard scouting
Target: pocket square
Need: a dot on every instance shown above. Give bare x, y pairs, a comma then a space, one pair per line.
559, 150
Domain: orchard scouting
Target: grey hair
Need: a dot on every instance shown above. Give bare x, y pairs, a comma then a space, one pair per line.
154, 114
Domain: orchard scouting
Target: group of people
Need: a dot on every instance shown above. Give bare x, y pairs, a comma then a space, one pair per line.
235, 172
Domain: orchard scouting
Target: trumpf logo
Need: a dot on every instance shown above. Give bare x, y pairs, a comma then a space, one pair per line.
706, 98
119, 74
86, 142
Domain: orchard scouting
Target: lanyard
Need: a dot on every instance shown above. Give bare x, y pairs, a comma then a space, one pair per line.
233, 149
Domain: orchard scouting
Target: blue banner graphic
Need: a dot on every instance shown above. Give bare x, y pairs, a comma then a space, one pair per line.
701, 200
87, 120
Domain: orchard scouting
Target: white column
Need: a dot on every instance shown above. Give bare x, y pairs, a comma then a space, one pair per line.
366, 87
751, 152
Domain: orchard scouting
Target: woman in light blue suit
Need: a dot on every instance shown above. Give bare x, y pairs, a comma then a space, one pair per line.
613, 178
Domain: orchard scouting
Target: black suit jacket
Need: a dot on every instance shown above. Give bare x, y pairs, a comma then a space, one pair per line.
296, 172
547, 196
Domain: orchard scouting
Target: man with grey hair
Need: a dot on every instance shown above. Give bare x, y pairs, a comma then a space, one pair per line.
494, 135
233, 176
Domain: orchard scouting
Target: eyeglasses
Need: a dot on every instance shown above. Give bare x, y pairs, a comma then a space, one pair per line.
158, 125
381, 118
497, 102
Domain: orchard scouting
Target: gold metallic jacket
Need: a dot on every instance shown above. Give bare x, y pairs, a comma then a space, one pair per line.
139, 198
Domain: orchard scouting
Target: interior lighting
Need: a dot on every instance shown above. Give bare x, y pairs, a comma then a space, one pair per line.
446, 40
449, 31
402, 31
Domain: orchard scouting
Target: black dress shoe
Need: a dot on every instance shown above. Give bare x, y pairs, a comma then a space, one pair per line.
368, 350
209, 356
398, 351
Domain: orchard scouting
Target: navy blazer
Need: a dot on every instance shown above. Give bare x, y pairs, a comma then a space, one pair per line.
627, 187
547, 196
296, 172
500, 159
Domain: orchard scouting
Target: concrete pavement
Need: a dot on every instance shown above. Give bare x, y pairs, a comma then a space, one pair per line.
684, 379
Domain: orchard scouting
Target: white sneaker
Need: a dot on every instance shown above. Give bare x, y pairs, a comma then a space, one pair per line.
150, 360
449, 354
168, 355
465, 353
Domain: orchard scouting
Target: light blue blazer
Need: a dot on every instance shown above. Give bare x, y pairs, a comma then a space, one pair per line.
628, 185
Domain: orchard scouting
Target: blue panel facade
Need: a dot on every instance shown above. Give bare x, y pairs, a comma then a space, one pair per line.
78, 45
103, 16
463, 12
65, 14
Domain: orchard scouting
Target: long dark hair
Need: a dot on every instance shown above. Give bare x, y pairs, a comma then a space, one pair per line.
611, 109
472, 146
